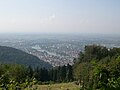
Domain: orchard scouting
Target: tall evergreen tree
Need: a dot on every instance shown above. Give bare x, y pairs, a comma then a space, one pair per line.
69, 73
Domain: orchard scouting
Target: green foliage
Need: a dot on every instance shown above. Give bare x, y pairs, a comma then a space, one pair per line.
107, 76
98, 68
14, 77
19, 77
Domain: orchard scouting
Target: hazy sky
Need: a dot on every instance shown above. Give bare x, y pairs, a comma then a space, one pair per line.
60, 16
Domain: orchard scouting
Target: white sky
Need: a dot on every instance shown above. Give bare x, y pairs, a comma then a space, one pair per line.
60, 16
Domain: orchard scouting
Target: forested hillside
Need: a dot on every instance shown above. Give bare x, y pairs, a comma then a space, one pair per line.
15, 56
98, 68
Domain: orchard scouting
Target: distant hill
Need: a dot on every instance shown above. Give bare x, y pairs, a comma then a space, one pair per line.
15, 56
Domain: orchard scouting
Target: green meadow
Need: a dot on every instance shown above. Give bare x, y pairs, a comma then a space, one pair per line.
61, 86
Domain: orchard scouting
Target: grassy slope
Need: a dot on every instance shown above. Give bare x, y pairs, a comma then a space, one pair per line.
61, 86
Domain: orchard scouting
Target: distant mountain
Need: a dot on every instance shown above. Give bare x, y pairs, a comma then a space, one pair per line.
15, 56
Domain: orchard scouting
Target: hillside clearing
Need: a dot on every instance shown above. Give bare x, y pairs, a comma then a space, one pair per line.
61, 86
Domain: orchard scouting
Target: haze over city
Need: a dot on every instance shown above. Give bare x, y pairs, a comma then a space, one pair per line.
60, 16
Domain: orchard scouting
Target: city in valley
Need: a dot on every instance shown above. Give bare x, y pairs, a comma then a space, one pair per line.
57, 49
